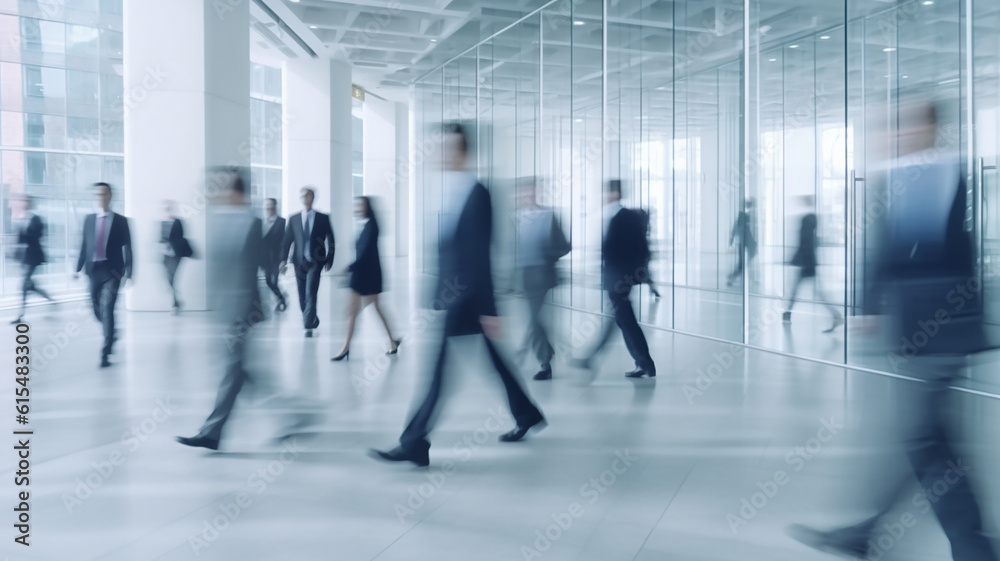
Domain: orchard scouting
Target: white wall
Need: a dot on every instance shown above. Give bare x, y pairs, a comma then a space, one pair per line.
380, 169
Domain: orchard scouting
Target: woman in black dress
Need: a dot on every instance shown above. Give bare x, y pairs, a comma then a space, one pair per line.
366, 276
805, 259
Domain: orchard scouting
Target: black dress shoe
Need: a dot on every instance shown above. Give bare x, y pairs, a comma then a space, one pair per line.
400, 454
395, 346
786, 317
105, 362
198, 442
836, 542
521, 430
341, 356
640, 372
309, 333
543, 374
281, 307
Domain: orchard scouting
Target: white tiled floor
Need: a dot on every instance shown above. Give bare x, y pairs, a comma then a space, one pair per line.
695, 455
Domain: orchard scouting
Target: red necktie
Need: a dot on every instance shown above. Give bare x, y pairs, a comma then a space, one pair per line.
100, 238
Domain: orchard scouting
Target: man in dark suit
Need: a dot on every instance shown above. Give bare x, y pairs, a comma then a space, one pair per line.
805, 259
30, 232
106, 257
746, 242
465, 292
175, 248
625, 258
540, 243
274, 233
926, 272
310, 234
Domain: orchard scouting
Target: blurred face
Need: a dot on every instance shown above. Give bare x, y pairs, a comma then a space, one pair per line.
307, 199
270, 208
453, 157
611, 197
360, 209
103, 195
168, 208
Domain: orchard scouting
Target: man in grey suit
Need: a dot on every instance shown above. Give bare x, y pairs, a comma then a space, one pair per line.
310, 235
106, 257
234, 256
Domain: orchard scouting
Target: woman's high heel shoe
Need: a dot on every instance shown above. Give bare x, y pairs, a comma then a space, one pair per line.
341, 356
395, 349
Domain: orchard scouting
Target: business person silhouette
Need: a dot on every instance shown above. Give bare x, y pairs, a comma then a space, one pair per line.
310, 234
106, 257
30, 231
366, 276
465, 293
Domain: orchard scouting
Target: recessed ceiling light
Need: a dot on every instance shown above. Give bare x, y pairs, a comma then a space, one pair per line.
793, 46
295, 1
578, 22
905, 76
434, 40
928, 2
888, 49
312, 27
579, 120
772, 60
824, 37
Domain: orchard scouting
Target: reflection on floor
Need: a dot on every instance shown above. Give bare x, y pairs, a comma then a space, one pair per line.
675, 468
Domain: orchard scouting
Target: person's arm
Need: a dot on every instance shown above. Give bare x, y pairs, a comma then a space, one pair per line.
83, 250
330, 243
286, 245
482, 264
127, 249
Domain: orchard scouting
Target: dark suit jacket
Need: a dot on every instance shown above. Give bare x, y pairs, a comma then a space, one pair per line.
625, 251
118, 250
366, 271
271, 249
465, 270
321, 233
174, 236
30, 240
743, 232
805, 255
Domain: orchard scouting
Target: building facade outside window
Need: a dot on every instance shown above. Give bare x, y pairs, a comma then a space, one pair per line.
61, 124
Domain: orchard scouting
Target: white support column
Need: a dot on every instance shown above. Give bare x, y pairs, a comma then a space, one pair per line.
318, 144
403, 170
187, 79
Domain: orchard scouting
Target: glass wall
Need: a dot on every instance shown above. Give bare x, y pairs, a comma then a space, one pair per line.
737, 125
62, 106
266, 128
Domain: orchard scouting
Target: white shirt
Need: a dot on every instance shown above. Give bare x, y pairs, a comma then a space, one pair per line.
308, 221
270, 223
458, 186
109, 217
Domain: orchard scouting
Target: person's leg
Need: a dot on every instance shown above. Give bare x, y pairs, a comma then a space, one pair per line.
171, 263
300, 285
524, 411
795, 290
230, 386
539, 339
37, 289
109, 298
635, 340
312, 293
385, 322
414, 437
271, 279
353, 309
96, 288
25, 288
